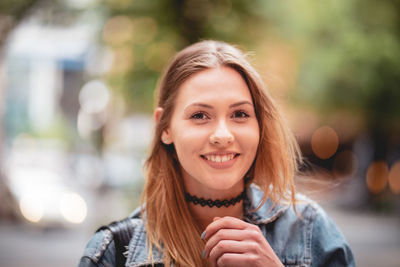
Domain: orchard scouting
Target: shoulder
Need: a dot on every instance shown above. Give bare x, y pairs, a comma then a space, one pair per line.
100, 250
300, 234
328, 245
320, 238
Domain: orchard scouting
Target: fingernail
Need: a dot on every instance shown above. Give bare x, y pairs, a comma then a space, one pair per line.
204, 254
203, 235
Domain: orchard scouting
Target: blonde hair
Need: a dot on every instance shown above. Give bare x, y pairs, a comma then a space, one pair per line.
169, 223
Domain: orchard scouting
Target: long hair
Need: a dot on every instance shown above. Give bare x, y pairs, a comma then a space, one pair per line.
169, 223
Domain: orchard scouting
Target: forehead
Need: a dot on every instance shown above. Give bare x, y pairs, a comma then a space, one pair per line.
214, 85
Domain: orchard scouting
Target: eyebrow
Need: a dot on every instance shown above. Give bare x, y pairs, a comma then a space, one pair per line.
199, 104
241, 103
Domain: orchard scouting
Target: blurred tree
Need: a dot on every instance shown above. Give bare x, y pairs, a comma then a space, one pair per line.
349, 55
11, 13
144, 35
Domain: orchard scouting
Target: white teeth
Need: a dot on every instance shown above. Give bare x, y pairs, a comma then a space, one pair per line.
218, 158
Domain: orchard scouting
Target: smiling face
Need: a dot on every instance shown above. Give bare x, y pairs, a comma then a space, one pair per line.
215, 132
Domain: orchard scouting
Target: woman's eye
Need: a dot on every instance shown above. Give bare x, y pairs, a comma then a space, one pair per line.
240, 114
199, 116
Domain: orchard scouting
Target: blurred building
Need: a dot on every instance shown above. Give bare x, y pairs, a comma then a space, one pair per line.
45, 68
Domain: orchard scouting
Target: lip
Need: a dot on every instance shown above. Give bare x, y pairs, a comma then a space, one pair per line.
220, 165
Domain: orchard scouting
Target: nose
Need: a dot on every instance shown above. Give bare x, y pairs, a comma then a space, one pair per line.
222, 136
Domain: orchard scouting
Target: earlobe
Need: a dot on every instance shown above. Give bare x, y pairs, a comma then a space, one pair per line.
165, 138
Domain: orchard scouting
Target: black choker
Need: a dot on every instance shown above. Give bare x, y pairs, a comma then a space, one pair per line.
211, 203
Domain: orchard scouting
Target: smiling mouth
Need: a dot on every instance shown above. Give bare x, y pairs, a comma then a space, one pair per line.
220, 158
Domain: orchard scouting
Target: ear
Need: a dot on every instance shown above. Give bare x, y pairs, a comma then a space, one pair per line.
157, 114
165, 136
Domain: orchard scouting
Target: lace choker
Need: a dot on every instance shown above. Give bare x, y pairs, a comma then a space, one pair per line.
217, 203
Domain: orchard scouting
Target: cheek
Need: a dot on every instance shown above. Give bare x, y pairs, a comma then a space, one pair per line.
189, 140
249, 136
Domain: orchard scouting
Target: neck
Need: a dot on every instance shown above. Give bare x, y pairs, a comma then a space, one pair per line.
205, 215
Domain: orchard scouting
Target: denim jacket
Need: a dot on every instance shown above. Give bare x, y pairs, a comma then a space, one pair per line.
311, 239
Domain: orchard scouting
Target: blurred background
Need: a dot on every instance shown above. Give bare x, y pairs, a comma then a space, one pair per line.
76, 97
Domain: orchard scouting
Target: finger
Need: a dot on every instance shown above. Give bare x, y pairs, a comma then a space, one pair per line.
224, 222
216, 218
229, 246
233, 260
223, 234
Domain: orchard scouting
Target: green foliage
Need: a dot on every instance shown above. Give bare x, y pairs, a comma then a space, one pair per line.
16, 8
11, 12
350, 54
348, 51
162, 27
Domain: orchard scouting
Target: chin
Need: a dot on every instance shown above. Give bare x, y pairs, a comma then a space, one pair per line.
223, 185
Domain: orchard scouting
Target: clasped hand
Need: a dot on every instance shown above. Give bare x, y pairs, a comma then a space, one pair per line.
233, 242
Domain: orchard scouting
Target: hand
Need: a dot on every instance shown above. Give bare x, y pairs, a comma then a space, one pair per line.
233, 242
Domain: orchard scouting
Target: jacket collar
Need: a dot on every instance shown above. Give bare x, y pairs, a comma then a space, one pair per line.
266, 213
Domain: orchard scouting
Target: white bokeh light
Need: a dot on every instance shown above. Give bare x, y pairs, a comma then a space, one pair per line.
73, 207
94, 97
31, 208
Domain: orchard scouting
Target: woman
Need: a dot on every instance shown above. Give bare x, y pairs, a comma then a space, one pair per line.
219, 184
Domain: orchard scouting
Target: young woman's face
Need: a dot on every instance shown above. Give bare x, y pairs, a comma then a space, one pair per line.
215, 131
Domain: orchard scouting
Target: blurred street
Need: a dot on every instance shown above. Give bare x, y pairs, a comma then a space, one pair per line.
375, 239
21, 246
26, 244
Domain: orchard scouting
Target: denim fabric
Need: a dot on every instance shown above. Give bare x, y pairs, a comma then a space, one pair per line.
308, 238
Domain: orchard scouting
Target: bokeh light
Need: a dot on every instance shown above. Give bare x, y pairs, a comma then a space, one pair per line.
31, 208
345, 164
94, 97
73, 207
377, 176
394, 177
118, 30
145, 29
88, 123
123, 60
324, 142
